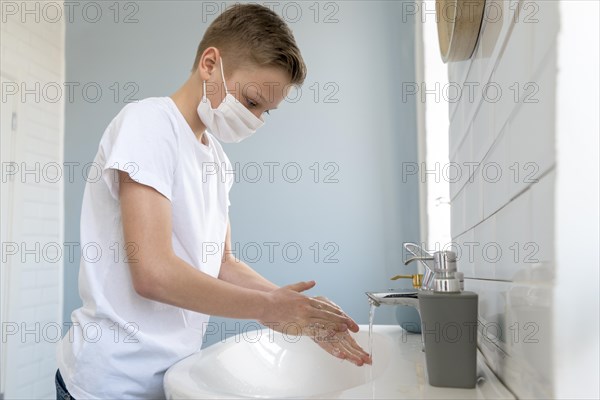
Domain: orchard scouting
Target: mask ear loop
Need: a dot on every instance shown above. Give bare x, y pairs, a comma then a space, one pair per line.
223, 76
204, 98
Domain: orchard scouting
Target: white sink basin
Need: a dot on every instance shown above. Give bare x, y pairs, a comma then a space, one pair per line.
267, 364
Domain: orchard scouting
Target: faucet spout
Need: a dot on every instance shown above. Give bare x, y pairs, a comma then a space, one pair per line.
399, 298
405, 297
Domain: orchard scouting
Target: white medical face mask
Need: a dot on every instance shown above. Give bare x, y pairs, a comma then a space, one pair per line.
231, 122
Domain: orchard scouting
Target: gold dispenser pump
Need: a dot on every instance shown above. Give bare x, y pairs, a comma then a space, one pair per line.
417, 279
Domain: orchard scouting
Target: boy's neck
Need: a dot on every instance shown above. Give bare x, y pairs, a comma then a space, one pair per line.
186, 99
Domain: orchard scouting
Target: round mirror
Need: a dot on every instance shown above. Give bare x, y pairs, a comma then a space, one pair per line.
458, 24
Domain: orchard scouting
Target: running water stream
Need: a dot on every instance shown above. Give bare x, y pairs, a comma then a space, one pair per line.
370, 367
371, 319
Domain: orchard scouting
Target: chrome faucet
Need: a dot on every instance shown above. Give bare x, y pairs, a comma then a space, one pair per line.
432, 263
408, 297
421, 282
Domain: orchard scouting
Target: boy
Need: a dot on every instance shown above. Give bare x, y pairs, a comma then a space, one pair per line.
148, 295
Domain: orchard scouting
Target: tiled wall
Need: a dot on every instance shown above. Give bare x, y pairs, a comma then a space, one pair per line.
32, 50
502, 139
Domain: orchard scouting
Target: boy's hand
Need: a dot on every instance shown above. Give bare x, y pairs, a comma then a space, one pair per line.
340, 344
291, 312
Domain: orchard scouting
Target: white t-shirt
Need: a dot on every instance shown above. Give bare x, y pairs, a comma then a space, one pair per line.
120, 344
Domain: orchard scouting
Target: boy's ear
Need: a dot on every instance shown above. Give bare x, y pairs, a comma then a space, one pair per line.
208, 63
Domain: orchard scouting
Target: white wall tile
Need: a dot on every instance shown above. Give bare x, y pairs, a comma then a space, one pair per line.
517, 51
457, 180
531, 134
484, 249
452, 79
511, 214
465, 258
477, 67
513, 235
457, 219
514, 334
27, 278
457, 131
528, 337
495, 178
457, 74
34, 52
491, 307
542, 218
24, 314
459, 171
483, 131
490, 36
545, 19
473, 201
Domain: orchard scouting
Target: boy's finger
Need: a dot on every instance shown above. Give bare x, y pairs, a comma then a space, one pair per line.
353, 326
328, 324
301, 286
349, 353
323, 305
352, 342
329, 317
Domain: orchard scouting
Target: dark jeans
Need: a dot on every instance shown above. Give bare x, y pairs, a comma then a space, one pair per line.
61, 390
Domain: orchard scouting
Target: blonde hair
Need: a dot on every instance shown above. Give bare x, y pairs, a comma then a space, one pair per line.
254, 34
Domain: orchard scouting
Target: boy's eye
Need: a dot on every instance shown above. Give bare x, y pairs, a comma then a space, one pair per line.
251, 103
254, 104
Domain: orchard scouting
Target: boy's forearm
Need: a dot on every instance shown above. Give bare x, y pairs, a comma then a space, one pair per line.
239, 273
181, 285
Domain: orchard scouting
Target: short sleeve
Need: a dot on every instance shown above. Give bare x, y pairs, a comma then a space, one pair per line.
142, 142
228, 177
229, 183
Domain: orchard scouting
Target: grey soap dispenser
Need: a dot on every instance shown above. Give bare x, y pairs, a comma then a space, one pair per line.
449, 326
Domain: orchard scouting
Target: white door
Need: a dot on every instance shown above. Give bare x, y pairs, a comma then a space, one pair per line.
8, 126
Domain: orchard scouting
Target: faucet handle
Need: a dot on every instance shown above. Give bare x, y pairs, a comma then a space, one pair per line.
427, 279
443, 260
425, 258
440, 276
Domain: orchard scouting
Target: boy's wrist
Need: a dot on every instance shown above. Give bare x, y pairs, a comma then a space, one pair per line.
264, 305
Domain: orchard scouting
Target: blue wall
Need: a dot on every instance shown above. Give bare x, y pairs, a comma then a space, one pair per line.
349, 118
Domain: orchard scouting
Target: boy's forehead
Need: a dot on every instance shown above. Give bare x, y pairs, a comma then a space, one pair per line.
273, 81
269, 76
